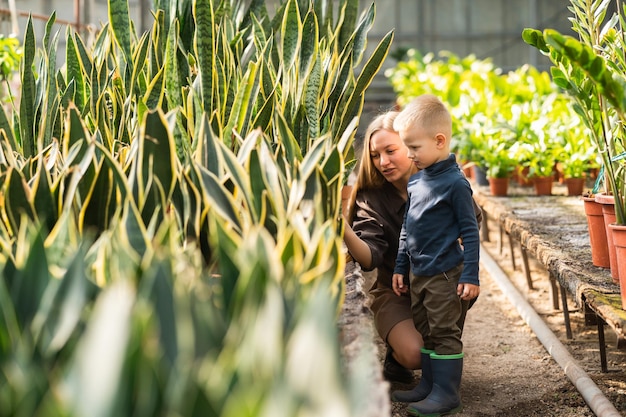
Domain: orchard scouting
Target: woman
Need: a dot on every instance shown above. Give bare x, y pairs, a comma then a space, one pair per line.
374, 219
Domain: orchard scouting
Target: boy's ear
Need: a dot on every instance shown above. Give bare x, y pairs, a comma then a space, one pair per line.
441, 140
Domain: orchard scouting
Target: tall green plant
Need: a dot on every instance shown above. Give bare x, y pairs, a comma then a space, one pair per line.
192, 207
591, 70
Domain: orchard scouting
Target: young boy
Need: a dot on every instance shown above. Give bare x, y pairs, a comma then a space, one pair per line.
443, 274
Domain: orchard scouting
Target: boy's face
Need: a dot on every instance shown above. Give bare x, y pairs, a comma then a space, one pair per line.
424, 149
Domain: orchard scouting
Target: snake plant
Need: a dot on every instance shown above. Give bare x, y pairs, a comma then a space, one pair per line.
168, 216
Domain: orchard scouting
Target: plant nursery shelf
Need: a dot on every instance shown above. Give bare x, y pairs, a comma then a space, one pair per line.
553, 229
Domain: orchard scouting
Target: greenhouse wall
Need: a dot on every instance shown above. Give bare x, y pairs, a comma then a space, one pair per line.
485, 28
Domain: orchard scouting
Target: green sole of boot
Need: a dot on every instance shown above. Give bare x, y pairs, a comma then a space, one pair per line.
415, 412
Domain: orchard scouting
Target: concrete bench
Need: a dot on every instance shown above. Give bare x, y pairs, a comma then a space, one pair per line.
553, 229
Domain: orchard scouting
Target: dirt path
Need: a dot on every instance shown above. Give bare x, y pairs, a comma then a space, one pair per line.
508, 372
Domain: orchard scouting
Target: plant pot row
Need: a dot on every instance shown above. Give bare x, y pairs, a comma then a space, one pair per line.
543, 185
607, 239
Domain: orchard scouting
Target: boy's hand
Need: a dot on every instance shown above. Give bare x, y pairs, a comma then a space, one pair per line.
397, 283
467, 291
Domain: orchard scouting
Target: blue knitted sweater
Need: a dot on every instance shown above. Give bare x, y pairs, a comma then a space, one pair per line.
438, 213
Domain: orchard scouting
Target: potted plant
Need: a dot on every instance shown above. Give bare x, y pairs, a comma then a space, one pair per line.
593, 80
592, 70
541, 164
576, 157
498, 165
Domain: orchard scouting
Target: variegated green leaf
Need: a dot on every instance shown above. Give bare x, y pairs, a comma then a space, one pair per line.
205, 49
139, 63
349, 11
242, 107
310, 43
354, 105
28, 284
17, 200
119, 18
27, 99
285, 136
172, 70
312, 99
218, 198
291, 34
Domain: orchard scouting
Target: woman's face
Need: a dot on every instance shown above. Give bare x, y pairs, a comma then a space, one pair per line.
389, 156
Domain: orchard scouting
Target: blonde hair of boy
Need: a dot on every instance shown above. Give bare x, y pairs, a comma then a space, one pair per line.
426, 112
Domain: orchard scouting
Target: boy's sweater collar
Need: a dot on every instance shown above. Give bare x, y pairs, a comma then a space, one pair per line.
441, 166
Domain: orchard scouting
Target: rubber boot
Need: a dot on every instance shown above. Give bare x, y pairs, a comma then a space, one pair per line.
394, 372
444, 399
422, 389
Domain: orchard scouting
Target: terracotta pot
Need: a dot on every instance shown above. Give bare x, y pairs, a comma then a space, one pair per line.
619, 238
597, 233
608, 212
498, 186
543, 185
575, 186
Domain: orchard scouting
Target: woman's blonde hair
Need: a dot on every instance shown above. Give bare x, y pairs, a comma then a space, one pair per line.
368, 177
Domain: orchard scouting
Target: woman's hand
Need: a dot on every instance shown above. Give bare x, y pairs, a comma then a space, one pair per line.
397, 284
358, 249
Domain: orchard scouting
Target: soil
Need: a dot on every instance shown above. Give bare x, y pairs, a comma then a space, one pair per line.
507, 371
